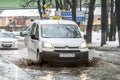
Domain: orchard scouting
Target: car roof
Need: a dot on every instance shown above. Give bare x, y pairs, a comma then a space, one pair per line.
55, 22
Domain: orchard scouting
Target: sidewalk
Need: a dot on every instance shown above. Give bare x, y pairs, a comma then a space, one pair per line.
109, 46
9, 71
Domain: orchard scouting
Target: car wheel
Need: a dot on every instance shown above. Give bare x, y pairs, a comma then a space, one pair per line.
86, 61
39, 58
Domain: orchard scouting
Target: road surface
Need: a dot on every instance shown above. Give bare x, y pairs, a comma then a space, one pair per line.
103, 65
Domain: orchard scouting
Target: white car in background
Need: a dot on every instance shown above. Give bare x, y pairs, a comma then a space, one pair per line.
8, 40
2, 30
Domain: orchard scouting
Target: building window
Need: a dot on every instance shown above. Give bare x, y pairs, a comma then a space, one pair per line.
21, 21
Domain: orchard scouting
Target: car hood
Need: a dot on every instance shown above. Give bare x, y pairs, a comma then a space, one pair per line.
66, 42
8, 39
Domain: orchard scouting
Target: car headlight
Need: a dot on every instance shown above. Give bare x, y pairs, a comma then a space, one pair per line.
15, 42
84, 45
47, 45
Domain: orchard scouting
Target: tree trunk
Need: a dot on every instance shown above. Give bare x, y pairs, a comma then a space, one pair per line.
76, 3
107, 28
69, 2
44, 1
57, 4
90, 21
65, 4
61, 5
39, 8
104, 21
113, 23
74, 10
117, 2
80, 5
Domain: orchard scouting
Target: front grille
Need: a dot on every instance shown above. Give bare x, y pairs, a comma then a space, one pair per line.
67, 47
67, 51
6, 45
6, 41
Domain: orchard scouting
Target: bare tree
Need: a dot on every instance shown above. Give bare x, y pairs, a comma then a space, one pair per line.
104, 21
90, 20
57, 4
117, 2
39, 8
31, 3
80, 5
61, 4
27, 3
74, 10
65, 4
113, 22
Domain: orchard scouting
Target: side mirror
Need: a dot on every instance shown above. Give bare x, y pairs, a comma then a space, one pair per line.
33, 37
85, 37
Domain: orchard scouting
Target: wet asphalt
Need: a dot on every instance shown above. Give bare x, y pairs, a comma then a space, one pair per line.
103, 65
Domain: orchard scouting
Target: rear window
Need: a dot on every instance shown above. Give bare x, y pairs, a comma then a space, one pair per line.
60, 31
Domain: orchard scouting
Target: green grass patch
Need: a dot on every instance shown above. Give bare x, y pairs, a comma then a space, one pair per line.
16, 3
9, 3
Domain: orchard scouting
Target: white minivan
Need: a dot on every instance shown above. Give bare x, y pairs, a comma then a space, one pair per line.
57, 41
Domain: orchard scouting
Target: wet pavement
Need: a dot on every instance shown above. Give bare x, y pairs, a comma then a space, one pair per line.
9, 71
103, 65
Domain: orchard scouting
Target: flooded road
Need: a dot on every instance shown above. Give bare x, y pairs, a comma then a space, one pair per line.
103, 65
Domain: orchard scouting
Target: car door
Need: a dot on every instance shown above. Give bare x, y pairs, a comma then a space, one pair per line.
31, 41
36, 40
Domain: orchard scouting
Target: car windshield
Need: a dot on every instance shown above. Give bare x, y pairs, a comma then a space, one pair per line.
60, 31
25, 28
7, 35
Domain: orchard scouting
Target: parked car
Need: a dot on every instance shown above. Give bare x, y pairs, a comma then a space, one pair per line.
57, 41
8, 40
25, 31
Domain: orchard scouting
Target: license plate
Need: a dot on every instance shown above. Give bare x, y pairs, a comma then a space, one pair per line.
66, 55
6, 45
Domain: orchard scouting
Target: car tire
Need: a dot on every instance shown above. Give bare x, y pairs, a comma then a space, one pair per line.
39, 58
86, 61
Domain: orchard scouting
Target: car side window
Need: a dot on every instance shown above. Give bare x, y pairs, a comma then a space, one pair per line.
37, 31
33, 28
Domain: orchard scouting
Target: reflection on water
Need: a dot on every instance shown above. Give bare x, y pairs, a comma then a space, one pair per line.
16, 73
84, 75
49, 76
60, 73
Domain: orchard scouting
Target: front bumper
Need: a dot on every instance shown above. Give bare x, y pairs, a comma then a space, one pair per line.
8, 46
55, 57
